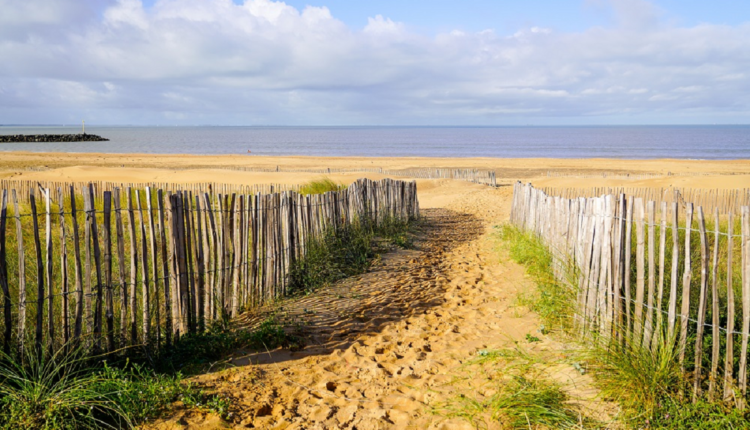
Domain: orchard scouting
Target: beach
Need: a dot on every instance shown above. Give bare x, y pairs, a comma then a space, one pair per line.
389, 348
723, 174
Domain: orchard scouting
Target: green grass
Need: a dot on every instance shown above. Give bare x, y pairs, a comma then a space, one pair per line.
68, 391
320, 186
347, 251
196, 351
517, 395
640, 380
552, 300
647, 384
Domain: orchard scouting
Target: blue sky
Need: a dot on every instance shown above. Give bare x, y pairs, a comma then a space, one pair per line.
476, 15
336, 62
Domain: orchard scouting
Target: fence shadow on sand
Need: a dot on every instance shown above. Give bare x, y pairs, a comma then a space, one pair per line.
402, 283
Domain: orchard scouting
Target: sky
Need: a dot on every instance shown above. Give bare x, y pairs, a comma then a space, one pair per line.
386, 62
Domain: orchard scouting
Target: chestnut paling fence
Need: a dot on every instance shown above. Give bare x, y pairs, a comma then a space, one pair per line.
652, 273
634, 175
725, 200
23, 187
144, 266
478, 176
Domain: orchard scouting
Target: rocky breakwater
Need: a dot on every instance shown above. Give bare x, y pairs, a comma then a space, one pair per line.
51, 138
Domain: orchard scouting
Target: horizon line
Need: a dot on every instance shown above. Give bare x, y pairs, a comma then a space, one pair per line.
383, 125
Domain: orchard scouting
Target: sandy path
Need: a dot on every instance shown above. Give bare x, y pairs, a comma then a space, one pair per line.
386, 346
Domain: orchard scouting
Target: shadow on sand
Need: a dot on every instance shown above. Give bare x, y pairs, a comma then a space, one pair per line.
401, 284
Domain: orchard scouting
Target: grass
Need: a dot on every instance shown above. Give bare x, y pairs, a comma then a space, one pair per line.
552, 300
516, 395
345, 251
195, 351
320, 186
647, 384
639, 379
68, 391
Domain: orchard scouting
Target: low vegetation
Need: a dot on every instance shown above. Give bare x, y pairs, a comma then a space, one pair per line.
514, 393
345, 251
320, 186
71, 391
552, 300
67, 391
197, 352
649, 385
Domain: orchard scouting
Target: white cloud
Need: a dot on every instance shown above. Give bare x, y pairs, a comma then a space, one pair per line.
380, 25
126, 12
266, 62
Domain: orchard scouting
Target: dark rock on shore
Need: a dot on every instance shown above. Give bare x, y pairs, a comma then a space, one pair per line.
51, 138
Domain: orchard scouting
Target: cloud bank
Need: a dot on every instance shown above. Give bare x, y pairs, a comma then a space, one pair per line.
264, 62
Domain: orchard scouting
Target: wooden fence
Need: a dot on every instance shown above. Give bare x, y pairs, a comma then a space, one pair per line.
143, 266
683, 280
24, 188
726, 201
477, 176
634, 175
486, 177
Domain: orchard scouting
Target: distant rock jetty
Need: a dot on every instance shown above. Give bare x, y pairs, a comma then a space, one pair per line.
8, 138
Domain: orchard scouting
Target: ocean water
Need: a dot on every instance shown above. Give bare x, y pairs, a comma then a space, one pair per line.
638, 142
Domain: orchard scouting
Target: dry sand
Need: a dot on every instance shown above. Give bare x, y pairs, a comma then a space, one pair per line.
192, 169
387, 347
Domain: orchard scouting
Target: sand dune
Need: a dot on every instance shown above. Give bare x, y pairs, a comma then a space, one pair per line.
385, 347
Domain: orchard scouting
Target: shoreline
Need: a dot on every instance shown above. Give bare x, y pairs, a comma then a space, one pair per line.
405, 157
425, 161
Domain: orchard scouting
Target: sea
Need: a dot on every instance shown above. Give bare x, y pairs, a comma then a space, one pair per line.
710, 142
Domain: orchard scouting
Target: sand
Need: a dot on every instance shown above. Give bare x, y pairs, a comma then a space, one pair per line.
193, 169
388, 348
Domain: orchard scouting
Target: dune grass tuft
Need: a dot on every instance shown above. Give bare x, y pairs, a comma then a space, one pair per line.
513, 393
320, 186
73, 391
344, 251
652, 390
637, 378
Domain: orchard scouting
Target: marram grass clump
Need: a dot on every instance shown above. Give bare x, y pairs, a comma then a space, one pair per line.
652, 390
320, 186
74, 391
345, 251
